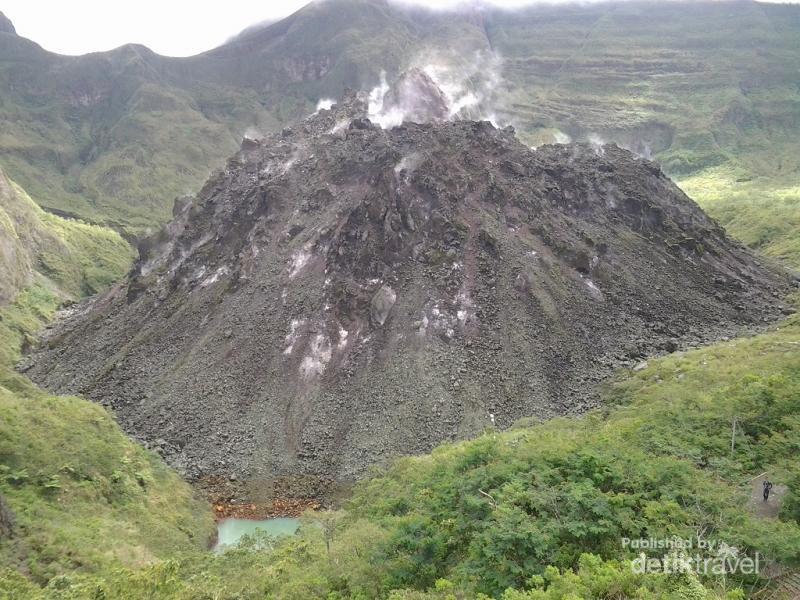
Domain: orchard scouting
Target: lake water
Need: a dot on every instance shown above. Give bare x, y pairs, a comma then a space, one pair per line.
230, 531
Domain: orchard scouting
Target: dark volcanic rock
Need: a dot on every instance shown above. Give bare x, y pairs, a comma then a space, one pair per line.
417, 98
340, 294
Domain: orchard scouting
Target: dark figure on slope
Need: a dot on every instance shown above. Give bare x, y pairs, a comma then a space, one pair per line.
767, 488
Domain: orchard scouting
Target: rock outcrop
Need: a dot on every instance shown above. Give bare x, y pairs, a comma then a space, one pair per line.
340, 294
415, 96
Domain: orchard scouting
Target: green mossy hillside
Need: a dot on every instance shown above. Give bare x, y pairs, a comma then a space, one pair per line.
82, 497
762, 213
73, 258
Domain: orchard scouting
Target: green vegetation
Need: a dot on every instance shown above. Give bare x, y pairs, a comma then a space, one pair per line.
765, 215
70, 258
532, 513
83, 496
109, 140
46, 261
539, 511
19, 321
688, 86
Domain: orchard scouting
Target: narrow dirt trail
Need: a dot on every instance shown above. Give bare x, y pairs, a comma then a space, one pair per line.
785, 586
771, 507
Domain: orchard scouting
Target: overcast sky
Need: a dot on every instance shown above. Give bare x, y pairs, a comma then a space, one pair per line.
173, 28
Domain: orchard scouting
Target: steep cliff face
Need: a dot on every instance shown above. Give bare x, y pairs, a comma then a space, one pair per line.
341, 293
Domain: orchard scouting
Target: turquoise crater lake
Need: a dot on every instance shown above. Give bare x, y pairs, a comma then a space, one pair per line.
230, 531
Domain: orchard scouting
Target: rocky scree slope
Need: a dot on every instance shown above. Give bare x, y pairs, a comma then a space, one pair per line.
341, 293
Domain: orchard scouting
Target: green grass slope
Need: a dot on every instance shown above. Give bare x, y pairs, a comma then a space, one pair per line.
71, 258
540, 511
763, 213
82, 496
700, 83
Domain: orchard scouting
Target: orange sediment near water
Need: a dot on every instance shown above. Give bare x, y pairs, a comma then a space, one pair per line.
278, 508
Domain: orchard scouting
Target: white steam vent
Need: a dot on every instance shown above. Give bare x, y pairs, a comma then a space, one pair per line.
324, 104
437, 89
561, 138
252, 134
378, 110
597, 143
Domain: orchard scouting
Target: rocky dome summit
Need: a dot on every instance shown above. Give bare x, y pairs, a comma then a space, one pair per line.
340, 294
